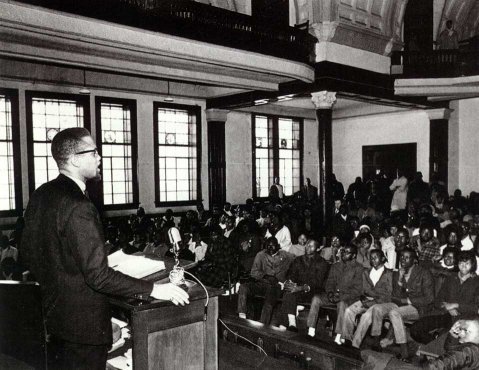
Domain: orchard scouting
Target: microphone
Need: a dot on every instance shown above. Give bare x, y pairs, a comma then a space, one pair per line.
174, 235
177, 274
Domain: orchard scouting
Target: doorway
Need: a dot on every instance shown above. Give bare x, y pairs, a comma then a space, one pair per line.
389, 159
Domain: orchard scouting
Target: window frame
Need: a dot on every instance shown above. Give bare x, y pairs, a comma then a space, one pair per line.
193, 110
275, 149
131, 104
12, 94
84, 100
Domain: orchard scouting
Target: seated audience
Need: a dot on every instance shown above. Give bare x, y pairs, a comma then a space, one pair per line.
377, 288
300, 248
341, 225
248, 244
388, 247
426, 245
227, 209
445, 267
6, 249
343, 287
331, 251
461, 352
230, 223
305, 278
269, 269
401, 242
168, 220
280, 231
453, 236
197, 246
220, 260
10, 270
364, 242
457, 299
466, 241
413, 294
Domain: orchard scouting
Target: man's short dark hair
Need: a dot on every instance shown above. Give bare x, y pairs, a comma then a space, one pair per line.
65, 143
365, 236
354, 248
271, 239
464, 256
411, 251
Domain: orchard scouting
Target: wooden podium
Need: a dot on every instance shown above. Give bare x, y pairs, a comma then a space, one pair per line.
165, 336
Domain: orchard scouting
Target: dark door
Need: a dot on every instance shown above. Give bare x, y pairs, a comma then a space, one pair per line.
390, 159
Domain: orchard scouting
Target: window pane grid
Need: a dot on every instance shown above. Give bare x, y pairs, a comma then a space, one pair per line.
177, 155
284, 152
7, 180
117, 162
50, 116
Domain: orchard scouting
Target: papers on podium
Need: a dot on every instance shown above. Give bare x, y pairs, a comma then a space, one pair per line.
136, 266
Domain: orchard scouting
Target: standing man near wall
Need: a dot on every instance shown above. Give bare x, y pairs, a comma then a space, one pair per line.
63, 244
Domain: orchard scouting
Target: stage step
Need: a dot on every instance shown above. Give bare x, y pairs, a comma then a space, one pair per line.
303, 351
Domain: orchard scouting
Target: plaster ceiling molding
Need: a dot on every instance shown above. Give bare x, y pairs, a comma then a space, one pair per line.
225, 4
461, 12
471, 26
324, 31
302, 11
359, 13
321, 11
396, 19
360, 38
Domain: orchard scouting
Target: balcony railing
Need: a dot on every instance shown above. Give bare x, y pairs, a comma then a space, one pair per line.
435, 63
196, 21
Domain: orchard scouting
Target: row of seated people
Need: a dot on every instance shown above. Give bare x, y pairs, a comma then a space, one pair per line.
375, 293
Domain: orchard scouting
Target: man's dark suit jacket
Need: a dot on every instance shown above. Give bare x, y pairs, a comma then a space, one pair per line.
420, 289
64, 245
381, 292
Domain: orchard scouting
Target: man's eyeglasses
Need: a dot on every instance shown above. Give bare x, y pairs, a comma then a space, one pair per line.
94, 151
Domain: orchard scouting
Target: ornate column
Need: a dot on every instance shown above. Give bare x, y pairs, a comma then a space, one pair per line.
216, 119
323, 102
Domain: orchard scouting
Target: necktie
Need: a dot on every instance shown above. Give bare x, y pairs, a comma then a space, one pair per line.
86, 194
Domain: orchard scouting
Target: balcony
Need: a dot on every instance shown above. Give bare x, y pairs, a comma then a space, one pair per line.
435, 63
436, 74
195, 21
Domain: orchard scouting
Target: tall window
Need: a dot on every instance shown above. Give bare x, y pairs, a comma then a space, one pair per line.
177, 153
116, 126
10, 174
47, 114
277, 152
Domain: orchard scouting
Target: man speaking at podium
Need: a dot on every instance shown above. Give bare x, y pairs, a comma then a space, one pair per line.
63, 244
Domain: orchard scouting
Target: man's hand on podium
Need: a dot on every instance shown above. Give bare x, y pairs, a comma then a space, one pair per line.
170, 292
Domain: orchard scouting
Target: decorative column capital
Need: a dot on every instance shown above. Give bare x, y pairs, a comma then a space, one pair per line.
439, 113
323, 99
216, 115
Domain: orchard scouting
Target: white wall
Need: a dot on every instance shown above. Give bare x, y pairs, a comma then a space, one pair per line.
463, 146
351, 134
239, 157
310, 151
